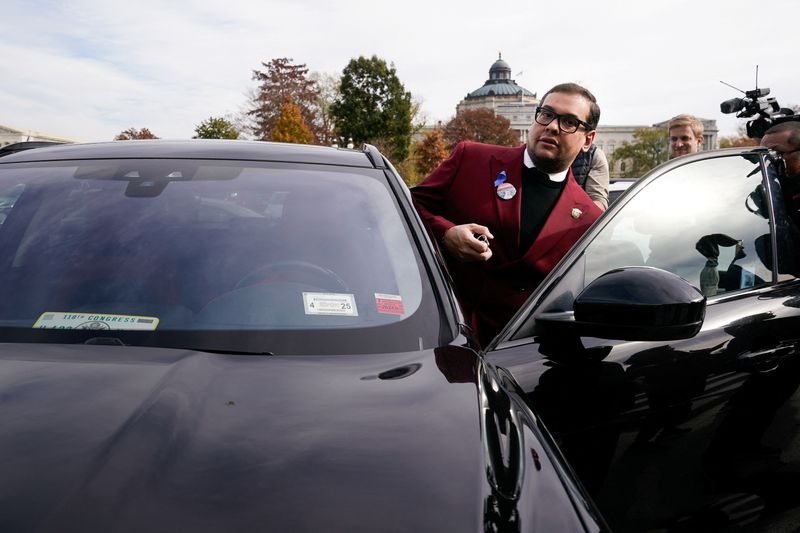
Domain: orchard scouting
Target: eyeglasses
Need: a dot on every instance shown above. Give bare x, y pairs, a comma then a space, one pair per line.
566, 123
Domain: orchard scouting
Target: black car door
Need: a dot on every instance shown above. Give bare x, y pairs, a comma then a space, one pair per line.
698, 433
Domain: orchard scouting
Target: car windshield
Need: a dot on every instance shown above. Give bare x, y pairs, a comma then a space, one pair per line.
281, 258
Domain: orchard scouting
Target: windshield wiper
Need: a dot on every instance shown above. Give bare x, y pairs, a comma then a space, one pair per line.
114, 341
230, 352
105, 341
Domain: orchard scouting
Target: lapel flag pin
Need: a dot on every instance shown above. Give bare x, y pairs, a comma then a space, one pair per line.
505, 191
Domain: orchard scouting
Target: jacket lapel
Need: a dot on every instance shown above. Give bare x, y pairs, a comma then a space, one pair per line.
560, 219
508, 211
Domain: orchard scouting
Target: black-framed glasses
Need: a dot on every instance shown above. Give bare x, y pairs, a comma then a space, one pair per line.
566, 123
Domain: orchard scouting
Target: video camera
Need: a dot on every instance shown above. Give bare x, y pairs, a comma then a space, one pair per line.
756, 103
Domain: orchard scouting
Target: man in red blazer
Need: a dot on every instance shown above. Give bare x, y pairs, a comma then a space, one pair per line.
506, 216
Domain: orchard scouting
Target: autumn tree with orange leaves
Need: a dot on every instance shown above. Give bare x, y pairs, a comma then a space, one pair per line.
282, 79
430, 151
133, 133
480, 125
740, 139
290, 127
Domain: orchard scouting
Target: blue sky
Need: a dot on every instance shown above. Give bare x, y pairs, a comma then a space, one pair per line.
88, 69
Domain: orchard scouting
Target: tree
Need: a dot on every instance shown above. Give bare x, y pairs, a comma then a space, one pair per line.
215, 128
133, 133
740, 139
290, 126
480, 125
649, 149
373, 106
408, 170
429, 151
280, 80
418, 117
327, 93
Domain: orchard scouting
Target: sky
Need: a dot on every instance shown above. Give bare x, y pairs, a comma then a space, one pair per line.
89, 69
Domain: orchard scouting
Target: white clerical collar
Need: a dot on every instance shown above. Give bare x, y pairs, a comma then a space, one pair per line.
556, 176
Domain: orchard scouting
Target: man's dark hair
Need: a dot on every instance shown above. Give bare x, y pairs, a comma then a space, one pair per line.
573, 88
792, 126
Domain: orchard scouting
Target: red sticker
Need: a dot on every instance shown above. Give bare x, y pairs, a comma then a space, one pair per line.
390, 304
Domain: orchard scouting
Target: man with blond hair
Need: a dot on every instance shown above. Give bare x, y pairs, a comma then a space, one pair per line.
685, 135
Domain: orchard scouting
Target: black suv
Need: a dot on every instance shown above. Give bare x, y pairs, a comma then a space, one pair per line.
244, 336
236, 336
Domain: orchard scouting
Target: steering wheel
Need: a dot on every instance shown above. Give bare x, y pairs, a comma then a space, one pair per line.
309, 272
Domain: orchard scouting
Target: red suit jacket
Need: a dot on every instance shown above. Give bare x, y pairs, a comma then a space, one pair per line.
461, 190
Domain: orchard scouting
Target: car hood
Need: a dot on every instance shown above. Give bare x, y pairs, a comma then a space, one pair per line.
112, 438
115, 438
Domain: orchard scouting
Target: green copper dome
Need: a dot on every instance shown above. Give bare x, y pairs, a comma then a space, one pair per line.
500, 82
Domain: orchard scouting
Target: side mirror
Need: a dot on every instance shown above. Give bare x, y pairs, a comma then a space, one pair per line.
633, 304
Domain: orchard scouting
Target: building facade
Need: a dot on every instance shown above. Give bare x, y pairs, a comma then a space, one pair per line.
9, 135
502, 95
609, 138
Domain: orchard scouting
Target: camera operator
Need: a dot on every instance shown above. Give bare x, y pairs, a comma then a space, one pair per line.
784, 140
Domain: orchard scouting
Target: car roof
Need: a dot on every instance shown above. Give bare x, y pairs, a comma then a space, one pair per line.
204, 149
13, 148
621, 184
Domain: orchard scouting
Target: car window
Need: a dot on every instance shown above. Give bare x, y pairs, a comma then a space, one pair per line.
617, 187
706, 221
170, 245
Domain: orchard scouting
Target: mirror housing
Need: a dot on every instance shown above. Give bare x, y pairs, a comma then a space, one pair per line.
632, 304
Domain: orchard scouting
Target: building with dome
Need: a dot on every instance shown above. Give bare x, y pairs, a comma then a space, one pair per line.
507, 99
516, 103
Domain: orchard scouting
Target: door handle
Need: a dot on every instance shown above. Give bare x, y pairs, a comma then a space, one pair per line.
763, 360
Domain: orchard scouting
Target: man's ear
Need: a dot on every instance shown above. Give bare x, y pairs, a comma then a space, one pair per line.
588, 141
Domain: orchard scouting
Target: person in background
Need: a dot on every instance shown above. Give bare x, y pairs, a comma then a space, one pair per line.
784, 140
590, 170
506, 215
685, 135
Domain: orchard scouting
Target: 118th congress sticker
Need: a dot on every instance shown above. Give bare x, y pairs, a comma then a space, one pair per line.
328, 303
98, 321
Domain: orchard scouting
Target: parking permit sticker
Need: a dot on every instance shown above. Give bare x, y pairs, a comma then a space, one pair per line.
329, 303
389, 304
99, 321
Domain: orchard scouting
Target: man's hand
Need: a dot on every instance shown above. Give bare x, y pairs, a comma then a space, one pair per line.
461, 243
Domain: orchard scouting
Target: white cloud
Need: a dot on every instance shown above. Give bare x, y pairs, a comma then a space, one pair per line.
89, 68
